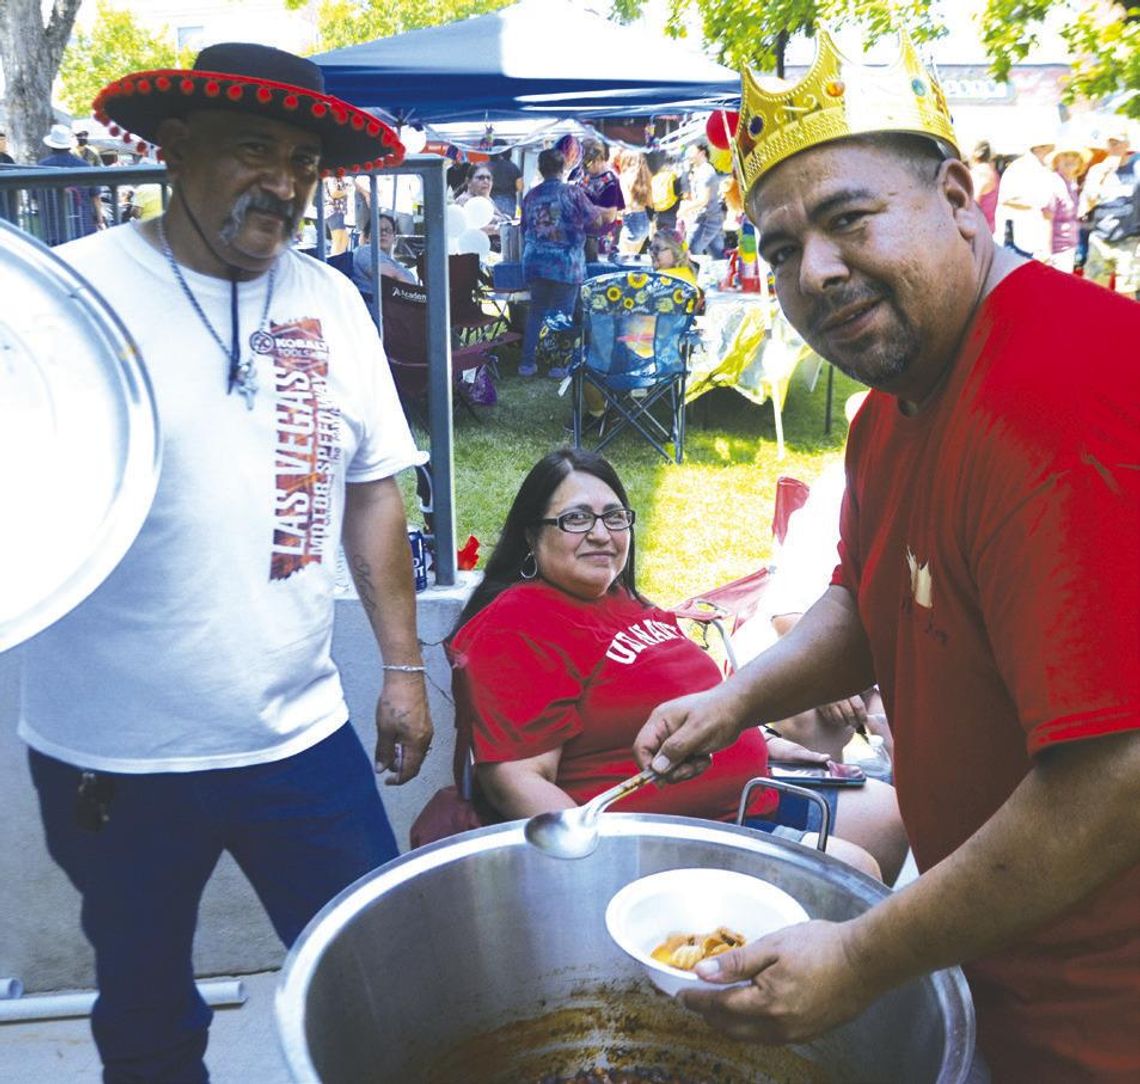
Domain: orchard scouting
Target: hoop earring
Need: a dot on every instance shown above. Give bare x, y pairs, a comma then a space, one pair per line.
534, 566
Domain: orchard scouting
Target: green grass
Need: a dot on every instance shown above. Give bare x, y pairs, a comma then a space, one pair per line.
701, 523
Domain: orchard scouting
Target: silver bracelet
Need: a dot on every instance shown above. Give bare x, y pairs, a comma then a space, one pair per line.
402, 669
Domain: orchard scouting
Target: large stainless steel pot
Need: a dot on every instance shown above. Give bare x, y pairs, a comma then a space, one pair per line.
481, 960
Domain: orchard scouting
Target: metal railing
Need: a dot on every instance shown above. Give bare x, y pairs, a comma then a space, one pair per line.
46, 202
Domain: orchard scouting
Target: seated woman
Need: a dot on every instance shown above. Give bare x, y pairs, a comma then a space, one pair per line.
479, 183
670, 256
560, 659
806, 561
389, 265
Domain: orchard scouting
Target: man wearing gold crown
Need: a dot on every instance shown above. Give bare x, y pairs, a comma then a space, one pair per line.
988, 579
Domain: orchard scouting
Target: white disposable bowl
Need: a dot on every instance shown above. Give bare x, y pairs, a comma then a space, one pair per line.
647, 911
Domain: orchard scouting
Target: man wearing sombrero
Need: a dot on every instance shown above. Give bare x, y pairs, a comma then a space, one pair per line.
988, 579
191, 705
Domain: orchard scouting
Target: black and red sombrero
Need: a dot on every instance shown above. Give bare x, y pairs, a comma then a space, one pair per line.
245, 77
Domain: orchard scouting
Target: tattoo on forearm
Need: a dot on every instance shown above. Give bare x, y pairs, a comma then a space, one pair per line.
365, 588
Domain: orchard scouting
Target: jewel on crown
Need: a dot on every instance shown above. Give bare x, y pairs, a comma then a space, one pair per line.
837, 97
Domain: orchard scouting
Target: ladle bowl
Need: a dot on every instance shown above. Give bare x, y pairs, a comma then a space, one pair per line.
573, 833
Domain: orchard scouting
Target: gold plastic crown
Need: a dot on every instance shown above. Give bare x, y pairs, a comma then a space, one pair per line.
835, 99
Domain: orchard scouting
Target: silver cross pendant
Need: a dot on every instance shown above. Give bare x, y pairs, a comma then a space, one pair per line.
245, 381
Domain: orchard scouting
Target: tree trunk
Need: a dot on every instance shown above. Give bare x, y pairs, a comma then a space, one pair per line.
30, 54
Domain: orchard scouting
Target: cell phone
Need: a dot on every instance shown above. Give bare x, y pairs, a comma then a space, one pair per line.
818, 775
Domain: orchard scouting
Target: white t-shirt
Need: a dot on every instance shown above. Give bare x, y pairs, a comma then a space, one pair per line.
1027, 181
209, 645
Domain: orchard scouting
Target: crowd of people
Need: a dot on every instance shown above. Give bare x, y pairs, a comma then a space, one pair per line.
985, 582
1072, 206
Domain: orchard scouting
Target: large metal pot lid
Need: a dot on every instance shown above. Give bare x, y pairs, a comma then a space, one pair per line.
79, 438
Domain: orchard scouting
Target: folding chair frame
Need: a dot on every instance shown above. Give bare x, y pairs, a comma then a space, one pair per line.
636, 411
631, 394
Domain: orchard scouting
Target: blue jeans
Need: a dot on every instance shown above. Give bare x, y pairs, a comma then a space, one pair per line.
796, 812
635, 226
546, 295
301, 829
708, 237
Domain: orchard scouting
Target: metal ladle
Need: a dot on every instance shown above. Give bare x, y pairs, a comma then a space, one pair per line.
573, 833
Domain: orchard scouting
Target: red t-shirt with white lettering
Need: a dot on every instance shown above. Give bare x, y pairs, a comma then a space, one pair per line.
993, 544
543, 669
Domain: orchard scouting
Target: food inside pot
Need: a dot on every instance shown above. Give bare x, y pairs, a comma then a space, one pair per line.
686, 950
620, 1029
638, 1075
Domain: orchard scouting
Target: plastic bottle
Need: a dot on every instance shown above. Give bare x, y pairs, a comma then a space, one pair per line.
869, 752
749, 265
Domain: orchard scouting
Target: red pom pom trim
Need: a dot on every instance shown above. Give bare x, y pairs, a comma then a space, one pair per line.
140, 147
264, 94
186, 86
128, 138
212, 88
368, 167
163, 82
143, 86
234, 92
357, 121
114, 129
160, 154
374, 128
290, 101
340, 171
127, 88
318, 109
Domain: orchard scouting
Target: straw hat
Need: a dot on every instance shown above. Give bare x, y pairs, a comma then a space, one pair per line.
249, 78
1068, 147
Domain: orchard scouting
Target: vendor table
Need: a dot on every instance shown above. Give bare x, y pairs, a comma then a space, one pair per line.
746, 344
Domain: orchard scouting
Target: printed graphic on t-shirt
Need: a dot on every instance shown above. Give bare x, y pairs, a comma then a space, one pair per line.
632, 641
921, 582
306, 447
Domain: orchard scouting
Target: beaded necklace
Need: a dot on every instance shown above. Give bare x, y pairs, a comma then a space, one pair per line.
242, 373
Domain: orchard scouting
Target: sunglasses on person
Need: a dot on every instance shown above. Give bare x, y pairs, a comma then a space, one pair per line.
579, 521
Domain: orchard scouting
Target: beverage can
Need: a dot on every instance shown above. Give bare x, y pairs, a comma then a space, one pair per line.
419, 558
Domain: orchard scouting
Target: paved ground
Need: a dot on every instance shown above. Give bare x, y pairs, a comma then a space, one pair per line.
243, 1045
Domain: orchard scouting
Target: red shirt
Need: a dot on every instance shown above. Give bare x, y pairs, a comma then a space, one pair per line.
544, 669
993, 544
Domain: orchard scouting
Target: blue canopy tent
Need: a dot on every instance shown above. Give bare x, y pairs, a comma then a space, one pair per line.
537, 58
543, 59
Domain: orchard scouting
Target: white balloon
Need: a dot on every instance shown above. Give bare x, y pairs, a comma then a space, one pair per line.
453, 246
414, 139
456, 221
474, 241
480, 211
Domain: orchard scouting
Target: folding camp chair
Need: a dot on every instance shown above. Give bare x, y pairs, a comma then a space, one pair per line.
637, 337
404, 310
728, 607
470, 324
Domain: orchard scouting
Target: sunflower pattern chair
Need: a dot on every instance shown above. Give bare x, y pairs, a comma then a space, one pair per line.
637, 338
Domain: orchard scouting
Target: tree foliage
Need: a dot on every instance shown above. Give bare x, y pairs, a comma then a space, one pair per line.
30, 52
1103, 41
116, 44
348, 22
756, 32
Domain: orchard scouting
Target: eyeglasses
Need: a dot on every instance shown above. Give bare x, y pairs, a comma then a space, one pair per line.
579, 521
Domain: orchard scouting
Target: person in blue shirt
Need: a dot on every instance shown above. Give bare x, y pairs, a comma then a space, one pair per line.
72, 212
556, 219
